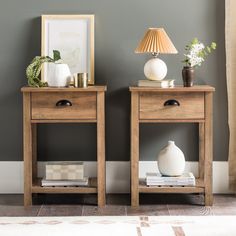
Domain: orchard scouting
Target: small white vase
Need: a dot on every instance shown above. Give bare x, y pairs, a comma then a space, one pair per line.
171, 161
58, 75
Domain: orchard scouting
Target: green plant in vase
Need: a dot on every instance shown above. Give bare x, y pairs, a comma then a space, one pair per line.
196, 53
34, 68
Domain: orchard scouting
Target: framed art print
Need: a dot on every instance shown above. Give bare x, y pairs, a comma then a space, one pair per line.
73, 36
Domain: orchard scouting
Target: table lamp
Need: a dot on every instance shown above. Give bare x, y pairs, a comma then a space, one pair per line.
156, 41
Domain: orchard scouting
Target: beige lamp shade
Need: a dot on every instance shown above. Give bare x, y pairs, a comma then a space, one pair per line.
156, 40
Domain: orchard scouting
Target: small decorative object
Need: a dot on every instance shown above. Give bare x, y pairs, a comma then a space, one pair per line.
65, 183
73, 35
34, 69
59, 75
195, 55
156, 179
81, 80
156, 41
64, 170
157, 83
188, 75
171, 161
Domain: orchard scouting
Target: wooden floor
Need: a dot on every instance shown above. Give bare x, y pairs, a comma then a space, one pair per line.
85, 205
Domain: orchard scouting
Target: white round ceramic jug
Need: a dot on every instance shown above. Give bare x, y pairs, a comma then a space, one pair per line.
171, 161
58, 75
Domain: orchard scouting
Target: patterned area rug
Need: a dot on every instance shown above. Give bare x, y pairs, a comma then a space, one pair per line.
122, 226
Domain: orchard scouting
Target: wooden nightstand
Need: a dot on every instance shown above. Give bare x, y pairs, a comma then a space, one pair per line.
173, 105
62, 105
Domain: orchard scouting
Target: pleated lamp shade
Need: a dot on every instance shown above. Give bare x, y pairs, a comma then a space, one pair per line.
156, 40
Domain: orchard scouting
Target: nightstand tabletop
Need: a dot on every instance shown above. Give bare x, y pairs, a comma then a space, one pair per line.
195, 88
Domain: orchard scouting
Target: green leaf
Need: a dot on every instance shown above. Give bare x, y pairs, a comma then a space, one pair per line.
34, 69
208, 49
56, 55
194, 41
213, 45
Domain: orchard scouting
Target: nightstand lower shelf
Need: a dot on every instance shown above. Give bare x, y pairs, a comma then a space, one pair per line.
198, 188
92, 188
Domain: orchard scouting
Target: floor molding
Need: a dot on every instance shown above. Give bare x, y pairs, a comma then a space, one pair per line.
117, 175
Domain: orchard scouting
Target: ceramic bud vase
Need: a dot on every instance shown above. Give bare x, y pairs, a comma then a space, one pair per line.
171, 161
188, 76
58, 75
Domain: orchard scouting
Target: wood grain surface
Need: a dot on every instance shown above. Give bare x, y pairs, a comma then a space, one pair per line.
91, 188
134, 150
64, 89
195, 106
101, 160
196, 88
39, 106
208, 144
84, 105
152, 106
28, 149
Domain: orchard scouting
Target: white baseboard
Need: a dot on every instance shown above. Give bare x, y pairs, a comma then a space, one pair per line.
117, 175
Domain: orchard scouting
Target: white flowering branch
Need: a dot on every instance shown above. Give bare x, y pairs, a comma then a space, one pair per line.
196, 52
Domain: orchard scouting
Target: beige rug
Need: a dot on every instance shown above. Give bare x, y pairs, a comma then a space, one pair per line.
122, 226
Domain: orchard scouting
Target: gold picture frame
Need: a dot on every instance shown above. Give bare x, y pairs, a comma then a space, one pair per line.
78, 29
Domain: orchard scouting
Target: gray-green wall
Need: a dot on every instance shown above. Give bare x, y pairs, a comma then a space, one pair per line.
120, 24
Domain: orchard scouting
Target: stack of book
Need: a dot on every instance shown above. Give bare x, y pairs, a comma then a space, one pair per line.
64, 174
64, 183
156, 179
156, 83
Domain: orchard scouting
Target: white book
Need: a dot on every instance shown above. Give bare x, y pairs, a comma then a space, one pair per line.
79, 163
187, 179
156, 83
61, 183
158, 176
170, 184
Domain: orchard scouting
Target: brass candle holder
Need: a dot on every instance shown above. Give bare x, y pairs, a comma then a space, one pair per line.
81, 80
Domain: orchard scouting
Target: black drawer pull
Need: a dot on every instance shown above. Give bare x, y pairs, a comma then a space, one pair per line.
63, 103
171, 102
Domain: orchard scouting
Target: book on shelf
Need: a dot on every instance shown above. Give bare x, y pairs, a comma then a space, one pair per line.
156, 179
62, 183
156, 83
64, 170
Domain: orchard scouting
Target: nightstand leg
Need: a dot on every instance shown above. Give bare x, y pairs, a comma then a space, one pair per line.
101, 163
201, 150
34, 151
208, 149
134, 151
27, 137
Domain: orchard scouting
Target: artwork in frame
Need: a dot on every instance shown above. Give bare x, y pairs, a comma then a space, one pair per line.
73, 36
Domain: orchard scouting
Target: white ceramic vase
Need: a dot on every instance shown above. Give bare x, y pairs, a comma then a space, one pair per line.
171, 161
58, 75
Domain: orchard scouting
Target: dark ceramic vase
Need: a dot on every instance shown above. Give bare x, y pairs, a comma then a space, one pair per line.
188, 76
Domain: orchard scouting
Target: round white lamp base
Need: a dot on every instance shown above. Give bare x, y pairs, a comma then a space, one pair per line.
155, 69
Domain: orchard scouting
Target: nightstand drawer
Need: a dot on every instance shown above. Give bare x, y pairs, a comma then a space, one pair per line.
170, 105
64, 105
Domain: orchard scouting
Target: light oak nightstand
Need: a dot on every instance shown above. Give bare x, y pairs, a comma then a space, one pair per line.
173, 105
62, 105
